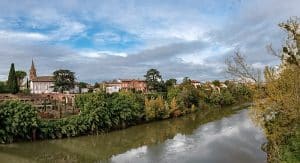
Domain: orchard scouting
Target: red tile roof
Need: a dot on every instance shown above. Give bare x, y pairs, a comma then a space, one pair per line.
44, 79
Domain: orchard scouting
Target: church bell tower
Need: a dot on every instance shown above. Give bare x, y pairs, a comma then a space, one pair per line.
32, 72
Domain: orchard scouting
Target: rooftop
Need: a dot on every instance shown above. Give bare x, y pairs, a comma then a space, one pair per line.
43, 79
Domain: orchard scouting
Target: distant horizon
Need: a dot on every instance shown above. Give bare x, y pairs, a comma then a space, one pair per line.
105, 40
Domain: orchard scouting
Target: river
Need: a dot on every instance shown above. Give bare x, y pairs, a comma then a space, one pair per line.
218, 135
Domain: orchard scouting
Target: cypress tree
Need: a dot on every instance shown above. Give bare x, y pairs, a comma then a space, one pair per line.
12, 81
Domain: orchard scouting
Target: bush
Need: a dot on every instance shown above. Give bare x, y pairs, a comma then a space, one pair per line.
226, 98
3, 87
17, 120
125, 109
156, 109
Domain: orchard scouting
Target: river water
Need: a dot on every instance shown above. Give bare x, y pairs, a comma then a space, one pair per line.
214, 136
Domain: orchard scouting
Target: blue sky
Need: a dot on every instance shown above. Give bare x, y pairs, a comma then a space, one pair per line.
103, 40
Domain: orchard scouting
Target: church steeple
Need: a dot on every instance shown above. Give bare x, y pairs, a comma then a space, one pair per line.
32, 71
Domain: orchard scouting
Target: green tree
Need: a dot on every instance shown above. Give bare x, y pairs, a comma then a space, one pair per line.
170, 83
12, 81
20, 76
188, 96
186, 81
154, 81
216, 83
64, 80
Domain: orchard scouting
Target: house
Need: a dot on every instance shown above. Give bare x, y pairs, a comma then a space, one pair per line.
196, 83
134, 84
40, 84
125, 84
113, 86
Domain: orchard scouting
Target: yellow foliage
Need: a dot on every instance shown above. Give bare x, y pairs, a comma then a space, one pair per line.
279, 112
156, 109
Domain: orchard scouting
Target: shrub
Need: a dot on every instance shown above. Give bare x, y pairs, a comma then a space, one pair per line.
156, 109
17, 120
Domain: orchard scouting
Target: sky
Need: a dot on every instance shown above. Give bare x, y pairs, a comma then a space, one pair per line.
105, 40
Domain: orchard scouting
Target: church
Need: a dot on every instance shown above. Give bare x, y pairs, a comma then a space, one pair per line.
40, 84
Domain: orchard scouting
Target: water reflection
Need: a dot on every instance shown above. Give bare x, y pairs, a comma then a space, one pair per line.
232, 139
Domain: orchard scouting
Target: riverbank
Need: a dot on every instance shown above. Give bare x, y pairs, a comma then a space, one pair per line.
206, 130
102, 112
97, 116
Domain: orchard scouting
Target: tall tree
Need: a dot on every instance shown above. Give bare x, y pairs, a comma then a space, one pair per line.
20, 77
12, 81
64, 80
170, 83
154, 80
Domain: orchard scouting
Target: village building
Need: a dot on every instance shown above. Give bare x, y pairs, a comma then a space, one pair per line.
40, 84
134, 84
125, 84
196, 83
113, 86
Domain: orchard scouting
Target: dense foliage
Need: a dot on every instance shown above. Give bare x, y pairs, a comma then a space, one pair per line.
279, 114
17, 121
64, 80
154, 81
12, 82
20, 75
101, 112
3, 87
277, 106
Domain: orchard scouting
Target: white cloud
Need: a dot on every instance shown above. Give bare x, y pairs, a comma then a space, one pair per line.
91, 54
68, 29
22, 36
100, 54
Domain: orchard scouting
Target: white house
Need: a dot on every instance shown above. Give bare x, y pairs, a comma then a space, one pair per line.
40, 84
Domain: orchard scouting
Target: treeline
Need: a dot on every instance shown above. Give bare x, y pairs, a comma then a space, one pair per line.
102, 112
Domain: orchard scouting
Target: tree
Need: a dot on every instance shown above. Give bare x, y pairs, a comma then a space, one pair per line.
186, 80
188, 96
63, 80
290, 52
170, 83
238, 67
154, 80
216, 83
277, 106
12, 81
20, 77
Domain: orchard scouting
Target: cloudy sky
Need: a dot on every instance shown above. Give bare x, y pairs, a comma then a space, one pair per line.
102, 40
